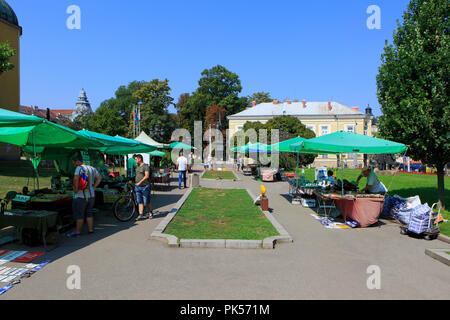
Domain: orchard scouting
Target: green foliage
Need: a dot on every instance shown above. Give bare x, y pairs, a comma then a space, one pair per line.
217, 86
6, 52
289, 127
413, 85
259, 97
113, 116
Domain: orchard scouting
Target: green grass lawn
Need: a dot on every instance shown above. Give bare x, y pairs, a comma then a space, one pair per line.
226, 175
220, 214
405, 185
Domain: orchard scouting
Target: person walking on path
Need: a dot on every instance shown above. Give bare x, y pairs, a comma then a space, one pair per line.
86, 179
143, 188
182, 167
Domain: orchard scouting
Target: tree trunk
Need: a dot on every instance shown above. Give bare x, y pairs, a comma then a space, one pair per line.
441, 186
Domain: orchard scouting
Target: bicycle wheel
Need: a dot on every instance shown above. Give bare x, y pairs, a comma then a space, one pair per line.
124, 208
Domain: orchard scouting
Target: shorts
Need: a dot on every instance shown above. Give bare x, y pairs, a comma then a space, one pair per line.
143, 195
83, 209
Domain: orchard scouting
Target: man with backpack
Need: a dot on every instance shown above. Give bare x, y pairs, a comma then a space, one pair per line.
86, 179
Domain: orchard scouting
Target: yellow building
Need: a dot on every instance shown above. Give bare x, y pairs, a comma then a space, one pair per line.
10, 80
320, 117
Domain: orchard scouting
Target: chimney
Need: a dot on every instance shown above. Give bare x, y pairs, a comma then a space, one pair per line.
254, 103
304, 103
275, 101
329, 105
355, 109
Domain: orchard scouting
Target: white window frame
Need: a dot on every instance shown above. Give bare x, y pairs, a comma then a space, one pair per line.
353, 126
312, 128
322, 129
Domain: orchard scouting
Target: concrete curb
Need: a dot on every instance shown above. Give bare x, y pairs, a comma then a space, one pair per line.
439, 254
443, 238
269, 243
172, 241
157, 234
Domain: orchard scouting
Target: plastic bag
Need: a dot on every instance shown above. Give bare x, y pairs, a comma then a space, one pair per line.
420, 216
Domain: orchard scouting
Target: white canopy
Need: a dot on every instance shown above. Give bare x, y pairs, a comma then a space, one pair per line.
143, 137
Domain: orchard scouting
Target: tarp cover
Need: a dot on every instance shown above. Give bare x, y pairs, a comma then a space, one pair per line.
23, 130
349, 142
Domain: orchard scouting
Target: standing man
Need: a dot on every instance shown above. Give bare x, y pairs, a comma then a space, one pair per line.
182, 167
86, 179
143, 187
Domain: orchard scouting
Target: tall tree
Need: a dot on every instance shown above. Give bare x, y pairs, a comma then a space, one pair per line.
182, 100
6, 52
156, 99
217, 86
113, 115
413, 85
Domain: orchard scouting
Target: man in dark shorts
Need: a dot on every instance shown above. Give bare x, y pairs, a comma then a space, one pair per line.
84, 200
143, 187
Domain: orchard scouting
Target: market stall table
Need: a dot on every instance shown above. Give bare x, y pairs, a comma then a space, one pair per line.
363, 208
41, 221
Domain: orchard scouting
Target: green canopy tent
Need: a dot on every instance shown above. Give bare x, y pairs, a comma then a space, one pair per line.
119, 145
286, 146
349, 142
180, 145
157, 153
35, 134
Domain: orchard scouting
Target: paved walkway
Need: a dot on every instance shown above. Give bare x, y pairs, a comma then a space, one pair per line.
121, 262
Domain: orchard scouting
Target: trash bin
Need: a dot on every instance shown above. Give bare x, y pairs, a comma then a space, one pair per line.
195, 180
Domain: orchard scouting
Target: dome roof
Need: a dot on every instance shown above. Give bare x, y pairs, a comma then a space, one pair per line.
7, 13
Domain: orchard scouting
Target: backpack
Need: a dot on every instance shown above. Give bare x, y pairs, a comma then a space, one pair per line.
83, 181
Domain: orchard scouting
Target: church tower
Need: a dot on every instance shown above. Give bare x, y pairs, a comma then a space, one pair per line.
83, 107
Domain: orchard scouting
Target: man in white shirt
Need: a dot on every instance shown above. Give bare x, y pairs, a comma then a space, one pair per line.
182, 167
374, 185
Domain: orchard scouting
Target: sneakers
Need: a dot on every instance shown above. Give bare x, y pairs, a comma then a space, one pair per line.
73, 235
140, 217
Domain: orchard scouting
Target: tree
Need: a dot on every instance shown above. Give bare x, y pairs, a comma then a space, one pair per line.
155, 118
289, 127
182, 100
6, 52
113, 115
413, 85
217, 86
259, 97
214, 114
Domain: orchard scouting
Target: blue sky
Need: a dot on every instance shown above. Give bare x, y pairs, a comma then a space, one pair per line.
314, 50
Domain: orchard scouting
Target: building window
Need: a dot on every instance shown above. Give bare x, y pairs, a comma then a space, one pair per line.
324, 156
351, 128
324, 130
239, 128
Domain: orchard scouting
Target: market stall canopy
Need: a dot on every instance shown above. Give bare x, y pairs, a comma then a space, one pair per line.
349, 142
143, 137
253, 147
157, 154
37, 133
179, 145
117, 145
14, 119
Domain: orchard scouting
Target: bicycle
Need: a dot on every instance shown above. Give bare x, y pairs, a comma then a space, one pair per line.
125, 207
